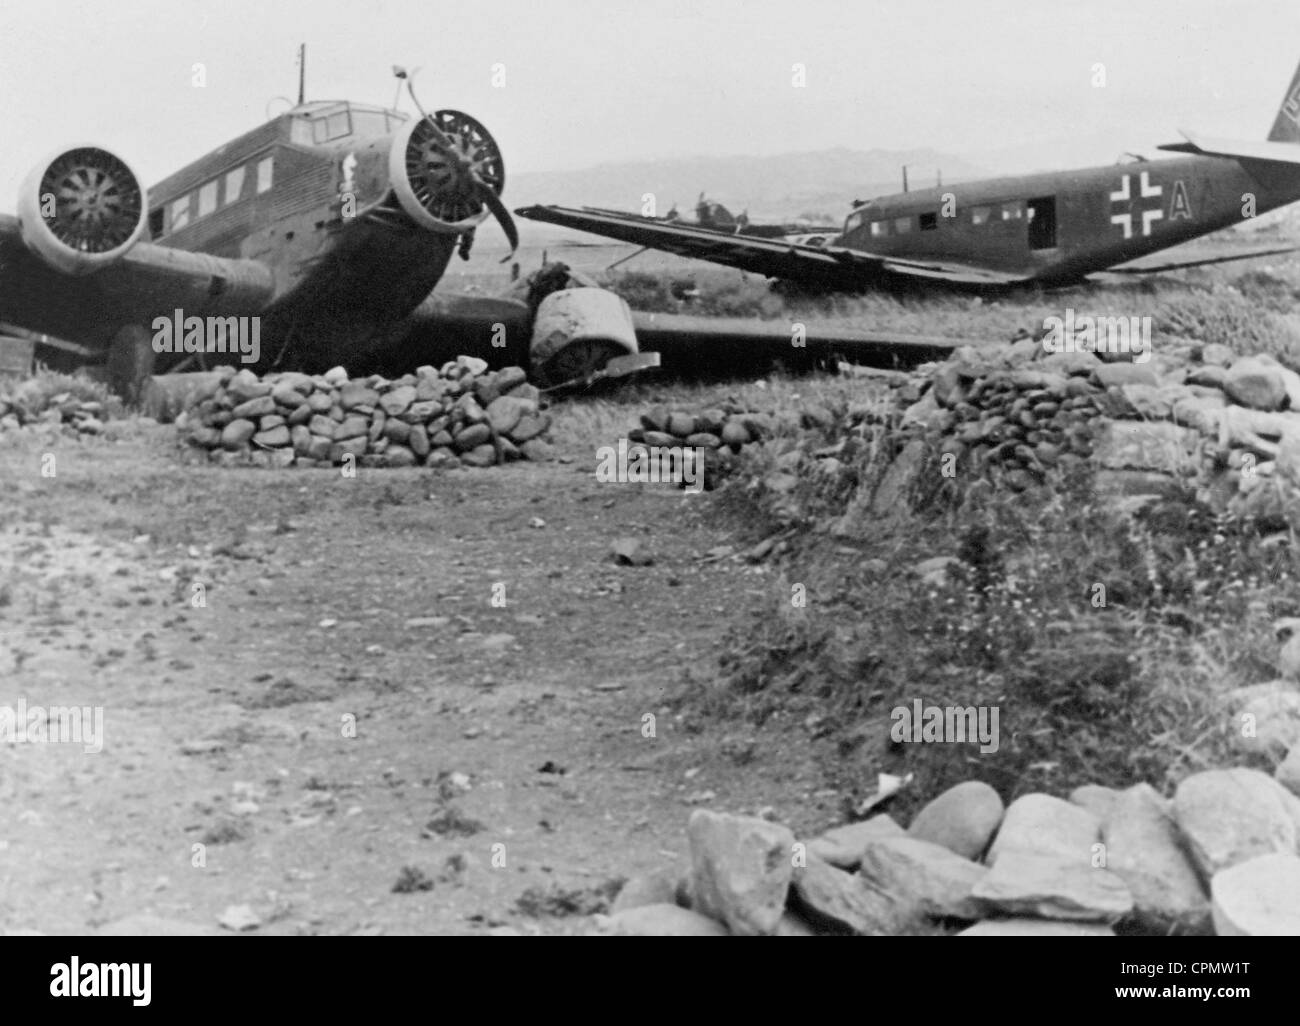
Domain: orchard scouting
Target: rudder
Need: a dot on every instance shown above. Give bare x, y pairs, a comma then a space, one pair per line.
1286, 127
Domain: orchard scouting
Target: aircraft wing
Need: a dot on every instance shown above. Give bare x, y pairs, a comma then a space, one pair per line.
148, 281
1271, 152
829, 266
1137, 268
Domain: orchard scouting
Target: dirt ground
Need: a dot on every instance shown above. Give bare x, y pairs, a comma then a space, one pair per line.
497, 753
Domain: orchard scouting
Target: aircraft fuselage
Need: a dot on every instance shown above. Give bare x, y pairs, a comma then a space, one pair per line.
1059, 226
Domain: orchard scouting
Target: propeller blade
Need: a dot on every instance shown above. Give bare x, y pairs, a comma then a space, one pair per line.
486, 193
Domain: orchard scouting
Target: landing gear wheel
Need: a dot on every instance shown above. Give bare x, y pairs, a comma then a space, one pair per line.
578, 360
130, 363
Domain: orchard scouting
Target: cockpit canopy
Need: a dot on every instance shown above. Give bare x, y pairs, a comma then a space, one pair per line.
327, 121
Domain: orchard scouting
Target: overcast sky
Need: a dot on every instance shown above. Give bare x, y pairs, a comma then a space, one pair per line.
588, 81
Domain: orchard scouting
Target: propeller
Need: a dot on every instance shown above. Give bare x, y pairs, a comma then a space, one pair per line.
464, 170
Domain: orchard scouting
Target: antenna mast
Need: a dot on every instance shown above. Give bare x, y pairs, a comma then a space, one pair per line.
302, 73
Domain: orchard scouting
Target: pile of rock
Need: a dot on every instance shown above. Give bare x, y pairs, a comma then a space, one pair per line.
727, 427
81, 416
459, 414
1193, 420
1223, 856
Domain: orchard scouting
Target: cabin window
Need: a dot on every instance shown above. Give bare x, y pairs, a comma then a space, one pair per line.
234, 184
980, 215
180, 213
1012, 211
264, 170
929, 222
902, 225
879, 228
155, 222
853, 223
207, 198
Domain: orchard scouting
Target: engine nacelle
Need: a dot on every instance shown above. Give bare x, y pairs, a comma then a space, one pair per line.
577, 331
81, 209
438, 186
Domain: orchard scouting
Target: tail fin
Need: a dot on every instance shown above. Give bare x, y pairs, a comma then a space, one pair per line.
1286, 128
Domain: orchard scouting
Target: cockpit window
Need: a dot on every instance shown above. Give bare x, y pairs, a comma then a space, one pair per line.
329, 127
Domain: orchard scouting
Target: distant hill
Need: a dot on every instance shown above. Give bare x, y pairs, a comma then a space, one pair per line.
780, 187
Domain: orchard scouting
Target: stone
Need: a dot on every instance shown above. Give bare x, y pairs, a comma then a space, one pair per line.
258, 407
396, 430
1210, 376
1266, 718
336, 377
319, 448
398, 400
1146, 445
1116, 375
271, 420
399, 456
735, 434
1288, 771
236, 434
930, 878
530, 426
1217, 354
480, 456
285, 394
839, 902
471, 410
246, 385
1144, 848
417, 439
703, 440
652, 889
630, 552
1229, 816
1019, 927
741, 870
356, 393
1096, 799
660, 920
537, 450
352, 427
354, 447
472, 365
1256, 382
655, 419
302, 414
320, 425
1259, 897
505, 412
1052, 886
272, 439
472, 436
681, 425
509, 378
842, 846
1041, 824
963, 819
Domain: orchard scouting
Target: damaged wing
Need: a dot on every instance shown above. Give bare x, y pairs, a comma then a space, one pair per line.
826, 267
